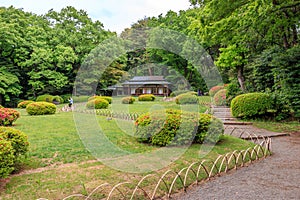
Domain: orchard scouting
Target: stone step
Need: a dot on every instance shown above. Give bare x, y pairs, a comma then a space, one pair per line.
237, 123
221, 111
227, 118
222, 114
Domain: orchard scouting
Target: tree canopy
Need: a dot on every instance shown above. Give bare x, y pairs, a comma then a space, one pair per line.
254, 44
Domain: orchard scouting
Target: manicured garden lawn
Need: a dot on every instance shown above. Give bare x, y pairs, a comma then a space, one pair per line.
284, 127
65, 166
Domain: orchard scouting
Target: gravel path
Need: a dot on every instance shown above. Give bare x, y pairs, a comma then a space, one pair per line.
276, 177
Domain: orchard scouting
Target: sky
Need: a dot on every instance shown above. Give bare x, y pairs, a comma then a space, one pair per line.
116, 15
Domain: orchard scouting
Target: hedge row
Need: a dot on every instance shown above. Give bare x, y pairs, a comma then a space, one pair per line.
13, 144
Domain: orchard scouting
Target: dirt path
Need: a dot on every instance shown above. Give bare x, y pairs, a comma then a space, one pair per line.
277, 177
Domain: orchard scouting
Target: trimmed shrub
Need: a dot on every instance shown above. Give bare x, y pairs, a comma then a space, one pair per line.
186, 99
146, 97
233, 90
175, 127
23, 104
66, 97
13, 143
178, 92
41, 108
128, 100
220, 98
97, 103
18, 139
79, 99
108, 99
57, 100
8, 116
215, 89
251, 105
6, 158
45, 98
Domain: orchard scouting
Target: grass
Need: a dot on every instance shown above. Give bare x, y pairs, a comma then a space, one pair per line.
146, 106
67, 167
283, 127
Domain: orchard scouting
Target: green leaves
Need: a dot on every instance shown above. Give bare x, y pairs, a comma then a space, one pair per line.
9, 84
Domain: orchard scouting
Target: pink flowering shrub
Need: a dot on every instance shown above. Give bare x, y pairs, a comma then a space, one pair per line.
215, 89
220, 98
8, 116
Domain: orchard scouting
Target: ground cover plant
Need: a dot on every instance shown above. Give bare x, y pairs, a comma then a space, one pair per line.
75, 168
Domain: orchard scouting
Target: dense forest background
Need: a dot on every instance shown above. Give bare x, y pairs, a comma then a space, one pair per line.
254, 44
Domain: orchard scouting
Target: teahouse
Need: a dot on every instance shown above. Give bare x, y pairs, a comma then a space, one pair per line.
138, 85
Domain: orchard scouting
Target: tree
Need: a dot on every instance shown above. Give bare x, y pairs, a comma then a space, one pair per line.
9, 85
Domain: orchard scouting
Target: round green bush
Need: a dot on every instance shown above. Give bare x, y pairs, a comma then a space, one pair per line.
186, 98
215, 89
251, 105
57, 100
108, 99
6, 158
174, 127
128, 100
97, 103
146, 97
178, 92
220, 98
41, 108
23, 104
8, 116
18, 139
79, 99
45, 98
66, 97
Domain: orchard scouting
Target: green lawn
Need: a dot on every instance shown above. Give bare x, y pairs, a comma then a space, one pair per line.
67, 167
283, 127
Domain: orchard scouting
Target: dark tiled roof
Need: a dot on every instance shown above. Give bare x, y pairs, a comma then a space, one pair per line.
142, 80
147, 78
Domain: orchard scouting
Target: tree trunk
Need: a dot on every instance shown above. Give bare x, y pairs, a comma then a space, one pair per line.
241, 78
295, 35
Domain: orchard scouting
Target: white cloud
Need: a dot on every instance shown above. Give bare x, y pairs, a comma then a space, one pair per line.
114, 14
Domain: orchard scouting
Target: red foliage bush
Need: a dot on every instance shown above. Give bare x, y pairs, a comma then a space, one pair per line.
8, 116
